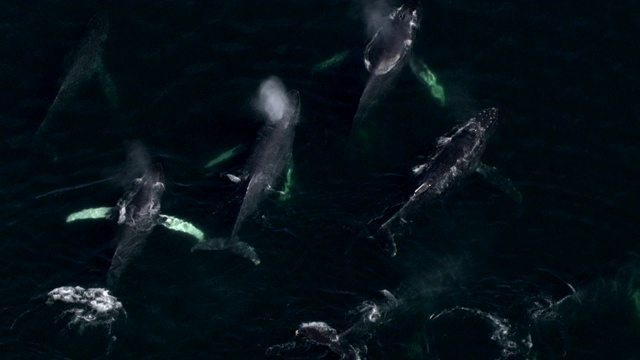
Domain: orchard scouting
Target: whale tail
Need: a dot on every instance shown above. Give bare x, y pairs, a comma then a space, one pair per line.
237, 247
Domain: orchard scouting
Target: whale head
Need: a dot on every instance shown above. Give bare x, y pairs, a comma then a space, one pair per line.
139, 207
486, 121
389, 46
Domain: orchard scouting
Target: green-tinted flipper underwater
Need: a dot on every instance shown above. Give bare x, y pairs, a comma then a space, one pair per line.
428, 78
225, 156
173, 223
333, 61
492, 175
288, 185
93, 213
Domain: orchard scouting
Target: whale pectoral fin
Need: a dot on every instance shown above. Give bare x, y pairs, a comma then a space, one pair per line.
211, 244
234, 178
226, 155
238, 247
93, 213
173, 223
285, 194
427, 78
333, 61
492, 175
108, 86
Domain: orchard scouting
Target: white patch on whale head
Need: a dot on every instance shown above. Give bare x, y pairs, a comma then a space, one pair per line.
272, 100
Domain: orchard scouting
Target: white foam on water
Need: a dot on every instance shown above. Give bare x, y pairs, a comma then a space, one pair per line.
93, 306
321, 328
502, 334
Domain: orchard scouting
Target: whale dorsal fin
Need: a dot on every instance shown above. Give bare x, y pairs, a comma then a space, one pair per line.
492, 175
173, 223
238, 247
93, 213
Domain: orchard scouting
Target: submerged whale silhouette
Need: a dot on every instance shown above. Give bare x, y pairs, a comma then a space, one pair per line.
267, 163
87, 64
457, 156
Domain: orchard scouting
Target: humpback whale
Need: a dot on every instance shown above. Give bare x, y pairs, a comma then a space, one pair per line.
390, 45
385, 55
457, 156
87, 64
350, 343
137, 212
268, 161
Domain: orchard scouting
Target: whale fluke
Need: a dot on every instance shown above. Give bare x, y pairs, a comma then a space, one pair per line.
237, 247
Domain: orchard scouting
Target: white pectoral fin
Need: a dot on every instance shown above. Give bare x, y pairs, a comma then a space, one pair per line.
492, 175
93, 213
176, 224
233, 178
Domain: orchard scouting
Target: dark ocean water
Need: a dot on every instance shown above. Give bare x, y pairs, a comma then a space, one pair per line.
479, 276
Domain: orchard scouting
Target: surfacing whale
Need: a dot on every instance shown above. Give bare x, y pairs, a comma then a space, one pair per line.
385, 55
390, 45
457, 156
137, 212
87, 64
268, 161
350, 344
